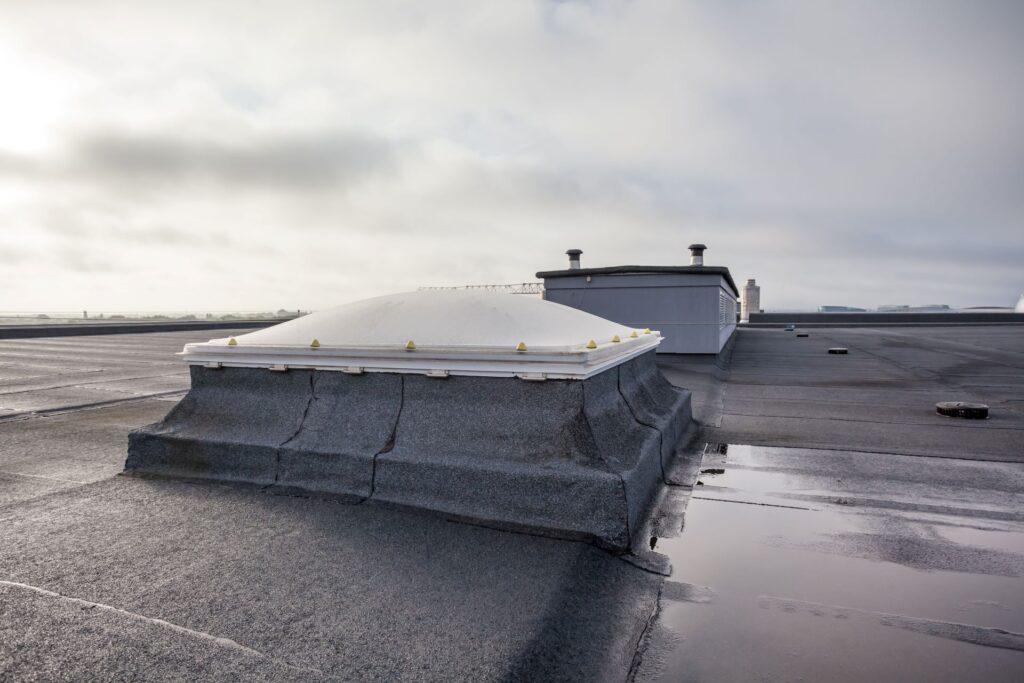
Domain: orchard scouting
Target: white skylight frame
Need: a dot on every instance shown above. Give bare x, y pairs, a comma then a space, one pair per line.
540, 363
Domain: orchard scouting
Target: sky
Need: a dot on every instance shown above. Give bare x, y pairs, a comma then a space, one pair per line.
262, 155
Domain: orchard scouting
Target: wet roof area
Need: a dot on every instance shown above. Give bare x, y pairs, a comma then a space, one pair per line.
829, 525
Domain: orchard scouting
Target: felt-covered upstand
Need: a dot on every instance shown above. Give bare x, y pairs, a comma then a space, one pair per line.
570, 458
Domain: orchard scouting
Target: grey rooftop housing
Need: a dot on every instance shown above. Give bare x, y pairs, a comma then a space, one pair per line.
694, 307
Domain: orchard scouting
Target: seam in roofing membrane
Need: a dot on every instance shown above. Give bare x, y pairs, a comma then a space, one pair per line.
985, 636
4, 473
60, 410
643, 642
86, 383
604, 462
661, 435
389, 445
590, 432
226, 643
302, 422
625, 505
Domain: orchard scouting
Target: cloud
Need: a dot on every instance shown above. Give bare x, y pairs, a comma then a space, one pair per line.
240, 156
326, 159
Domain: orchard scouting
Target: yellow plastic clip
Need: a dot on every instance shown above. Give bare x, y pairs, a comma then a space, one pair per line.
315, 344
633, 334
232, 342
616, 339
521, 346
410, 346
646, 331
591, 344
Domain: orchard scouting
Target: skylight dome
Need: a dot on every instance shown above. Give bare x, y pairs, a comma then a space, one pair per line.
438, 333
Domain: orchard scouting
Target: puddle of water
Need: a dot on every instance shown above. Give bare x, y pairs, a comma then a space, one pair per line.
959, 567
738, 638
825, 556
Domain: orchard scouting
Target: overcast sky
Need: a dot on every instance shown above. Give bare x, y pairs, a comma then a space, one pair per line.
257, 155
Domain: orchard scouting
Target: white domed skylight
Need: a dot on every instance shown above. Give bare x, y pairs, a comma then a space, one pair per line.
438, 333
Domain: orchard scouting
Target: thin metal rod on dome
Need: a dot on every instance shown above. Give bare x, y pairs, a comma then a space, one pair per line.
513, 288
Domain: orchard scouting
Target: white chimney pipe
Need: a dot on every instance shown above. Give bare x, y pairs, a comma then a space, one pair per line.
697, 254
574, 259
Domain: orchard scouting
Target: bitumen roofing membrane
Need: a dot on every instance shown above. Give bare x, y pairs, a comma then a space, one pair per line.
831, 525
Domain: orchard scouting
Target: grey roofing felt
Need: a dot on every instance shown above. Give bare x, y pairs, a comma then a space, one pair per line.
568, 458
54, 374
643, 270
305, 586
77, 329
841, 560
900, 318
784, 390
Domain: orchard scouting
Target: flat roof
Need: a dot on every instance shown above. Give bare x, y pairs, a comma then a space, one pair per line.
644, 270
871, 520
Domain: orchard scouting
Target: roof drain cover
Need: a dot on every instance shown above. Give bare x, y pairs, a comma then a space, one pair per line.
970, 411
565, 455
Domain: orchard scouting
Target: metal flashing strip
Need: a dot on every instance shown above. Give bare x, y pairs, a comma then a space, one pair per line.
580, 363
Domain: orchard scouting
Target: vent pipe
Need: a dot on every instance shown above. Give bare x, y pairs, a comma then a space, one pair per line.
574, 258
697, 254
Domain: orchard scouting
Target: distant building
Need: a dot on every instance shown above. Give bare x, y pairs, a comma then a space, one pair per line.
750, 300
841, 309
1019, 308
903, 308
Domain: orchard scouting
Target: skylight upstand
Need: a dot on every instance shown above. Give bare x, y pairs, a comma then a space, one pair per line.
417, 400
